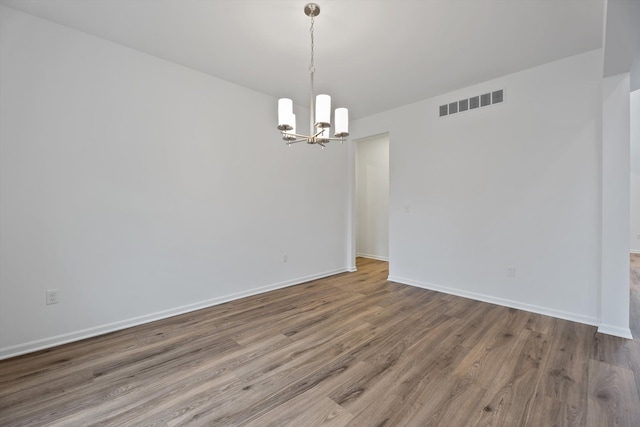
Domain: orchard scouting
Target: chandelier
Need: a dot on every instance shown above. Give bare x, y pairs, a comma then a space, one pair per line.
320, 111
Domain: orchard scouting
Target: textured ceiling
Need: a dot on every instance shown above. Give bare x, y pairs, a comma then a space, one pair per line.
371, 55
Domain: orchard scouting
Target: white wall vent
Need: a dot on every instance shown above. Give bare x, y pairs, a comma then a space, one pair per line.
471, 103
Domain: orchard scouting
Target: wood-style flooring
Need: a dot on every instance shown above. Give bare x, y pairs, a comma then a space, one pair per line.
352, 349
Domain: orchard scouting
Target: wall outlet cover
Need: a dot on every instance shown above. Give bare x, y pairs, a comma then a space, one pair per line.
52, 296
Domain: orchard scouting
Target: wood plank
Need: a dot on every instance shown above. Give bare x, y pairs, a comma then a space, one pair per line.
400, 373
508, 401
551, 412
613, 398
488, 355
565, 378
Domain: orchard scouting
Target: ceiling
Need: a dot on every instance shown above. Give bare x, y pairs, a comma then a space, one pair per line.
370, 55
622, 40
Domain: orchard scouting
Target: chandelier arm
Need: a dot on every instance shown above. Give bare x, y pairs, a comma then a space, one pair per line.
297, 135
294, 141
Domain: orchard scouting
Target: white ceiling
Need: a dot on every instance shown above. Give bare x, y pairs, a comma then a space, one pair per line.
622, 40
371, 55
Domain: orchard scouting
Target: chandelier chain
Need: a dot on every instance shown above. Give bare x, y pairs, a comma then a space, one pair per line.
311, 65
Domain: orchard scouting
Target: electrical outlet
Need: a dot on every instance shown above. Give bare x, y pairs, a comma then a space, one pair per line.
285, 258
511, 271
52, 296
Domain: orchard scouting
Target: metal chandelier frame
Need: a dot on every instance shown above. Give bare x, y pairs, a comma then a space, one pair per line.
320, 110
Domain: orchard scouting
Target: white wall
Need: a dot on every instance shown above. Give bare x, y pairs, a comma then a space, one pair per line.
141, 189
615, 206
372, 197
515, 184
634, 238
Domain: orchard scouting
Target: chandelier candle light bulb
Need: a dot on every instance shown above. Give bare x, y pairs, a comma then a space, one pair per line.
285, 111
323, 111
320, 117
342, 122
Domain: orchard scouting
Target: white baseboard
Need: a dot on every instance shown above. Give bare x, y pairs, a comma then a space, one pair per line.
41, 344
500, 301
615, 331
377, 257
635, 251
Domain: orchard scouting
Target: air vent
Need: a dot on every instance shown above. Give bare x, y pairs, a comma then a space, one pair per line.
472, 103
497, 96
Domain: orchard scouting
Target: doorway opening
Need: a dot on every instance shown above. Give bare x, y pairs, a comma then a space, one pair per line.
372, 197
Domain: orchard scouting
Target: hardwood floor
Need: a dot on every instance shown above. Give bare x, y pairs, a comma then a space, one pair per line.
352, 349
